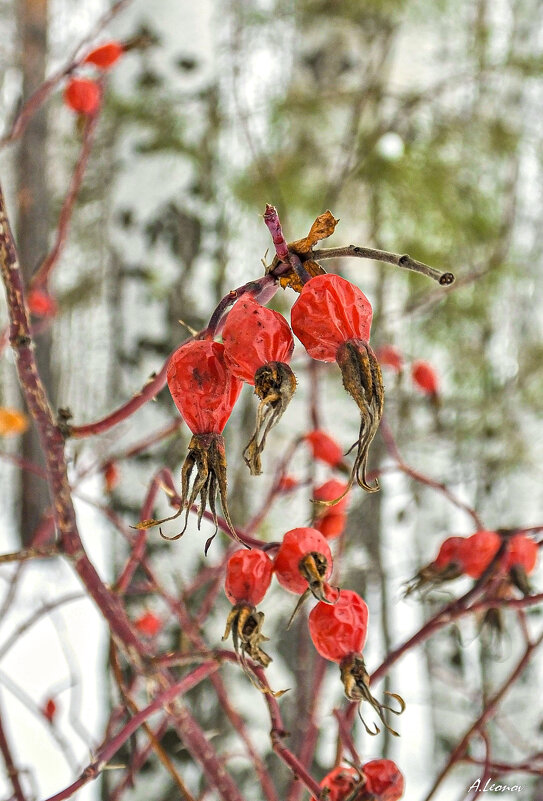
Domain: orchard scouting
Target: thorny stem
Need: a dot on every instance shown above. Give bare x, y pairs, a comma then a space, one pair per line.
403, 261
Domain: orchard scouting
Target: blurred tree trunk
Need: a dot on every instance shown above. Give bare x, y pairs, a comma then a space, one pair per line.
32, 224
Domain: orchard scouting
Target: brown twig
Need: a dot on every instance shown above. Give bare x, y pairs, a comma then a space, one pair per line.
404, 261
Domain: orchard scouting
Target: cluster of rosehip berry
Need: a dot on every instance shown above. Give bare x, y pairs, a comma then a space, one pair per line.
472, 556
84, 95
377, 780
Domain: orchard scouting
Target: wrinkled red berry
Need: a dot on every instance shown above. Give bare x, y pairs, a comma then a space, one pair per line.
254, 336
383, 779
339, 629
478, 551
341, 781
148, 624
324, 447
248, 576
83, 95
202, 387
391, 357
303, 556
330, 311
425, 377
104, 56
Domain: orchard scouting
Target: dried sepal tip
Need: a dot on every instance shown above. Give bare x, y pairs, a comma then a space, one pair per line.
356, 682
275, 384
363, 380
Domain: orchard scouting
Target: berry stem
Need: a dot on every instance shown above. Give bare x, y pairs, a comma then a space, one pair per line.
271, 218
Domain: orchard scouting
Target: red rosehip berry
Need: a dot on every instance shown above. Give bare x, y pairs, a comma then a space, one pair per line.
389, 356
478, 551
83, 95
332, 318
329, 491
425, 377
324, 448
287, 483
522, 552
202, 387
329, 312
340, 782
304, 562
258, 345
49, 710
339, 630
248, 576
41, 304
383, 780
332, 525
148, 624
105, 56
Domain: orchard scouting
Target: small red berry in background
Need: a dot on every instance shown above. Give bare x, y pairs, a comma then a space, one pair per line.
41, 304
331, 490
340, 782
521, 552
49, 710
383, 779
83, 95
331, 525
332, 318
304, 562
148, 624
324, 447
287, 483
389, 356
450, 551
248, 576
425, 377
339, 630
12, 422
478, 551
258, 344
105, 56
111, 476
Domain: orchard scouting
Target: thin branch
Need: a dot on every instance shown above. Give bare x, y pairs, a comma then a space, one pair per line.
404, 261
11, 770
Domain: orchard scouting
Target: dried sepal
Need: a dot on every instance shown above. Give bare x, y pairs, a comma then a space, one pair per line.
293, 280
314, 567
275, 384
356, 682
245, 624
431, 576
363, 381
322, 228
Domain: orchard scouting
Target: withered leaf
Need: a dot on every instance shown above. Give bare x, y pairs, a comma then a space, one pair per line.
322, 228
292, 280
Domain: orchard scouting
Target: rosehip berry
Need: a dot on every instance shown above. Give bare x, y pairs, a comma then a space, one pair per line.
304, 561
521, 551
450, 551
391, 357
204, 391
478, 551
332, 318
49, 710
329, 491
341, 782
83, 95
12, 422
339, 630
287, 483
448, 565
324, 448
41, 304
332, 525
248, 576
105, 56
425, 377
383, 780
258, 345
148, 624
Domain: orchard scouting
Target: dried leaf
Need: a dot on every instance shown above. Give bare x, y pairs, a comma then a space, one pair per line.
322, 228
292, 280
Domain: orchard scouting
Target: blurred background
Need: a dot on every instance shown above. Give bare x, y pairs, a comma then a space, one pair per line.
418, 123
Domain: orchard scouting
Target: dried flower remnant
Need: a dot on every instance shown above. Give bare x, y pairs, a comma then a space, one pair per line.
338, 632
332, 318
258, 346
205, 392
303, 563
448, 565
